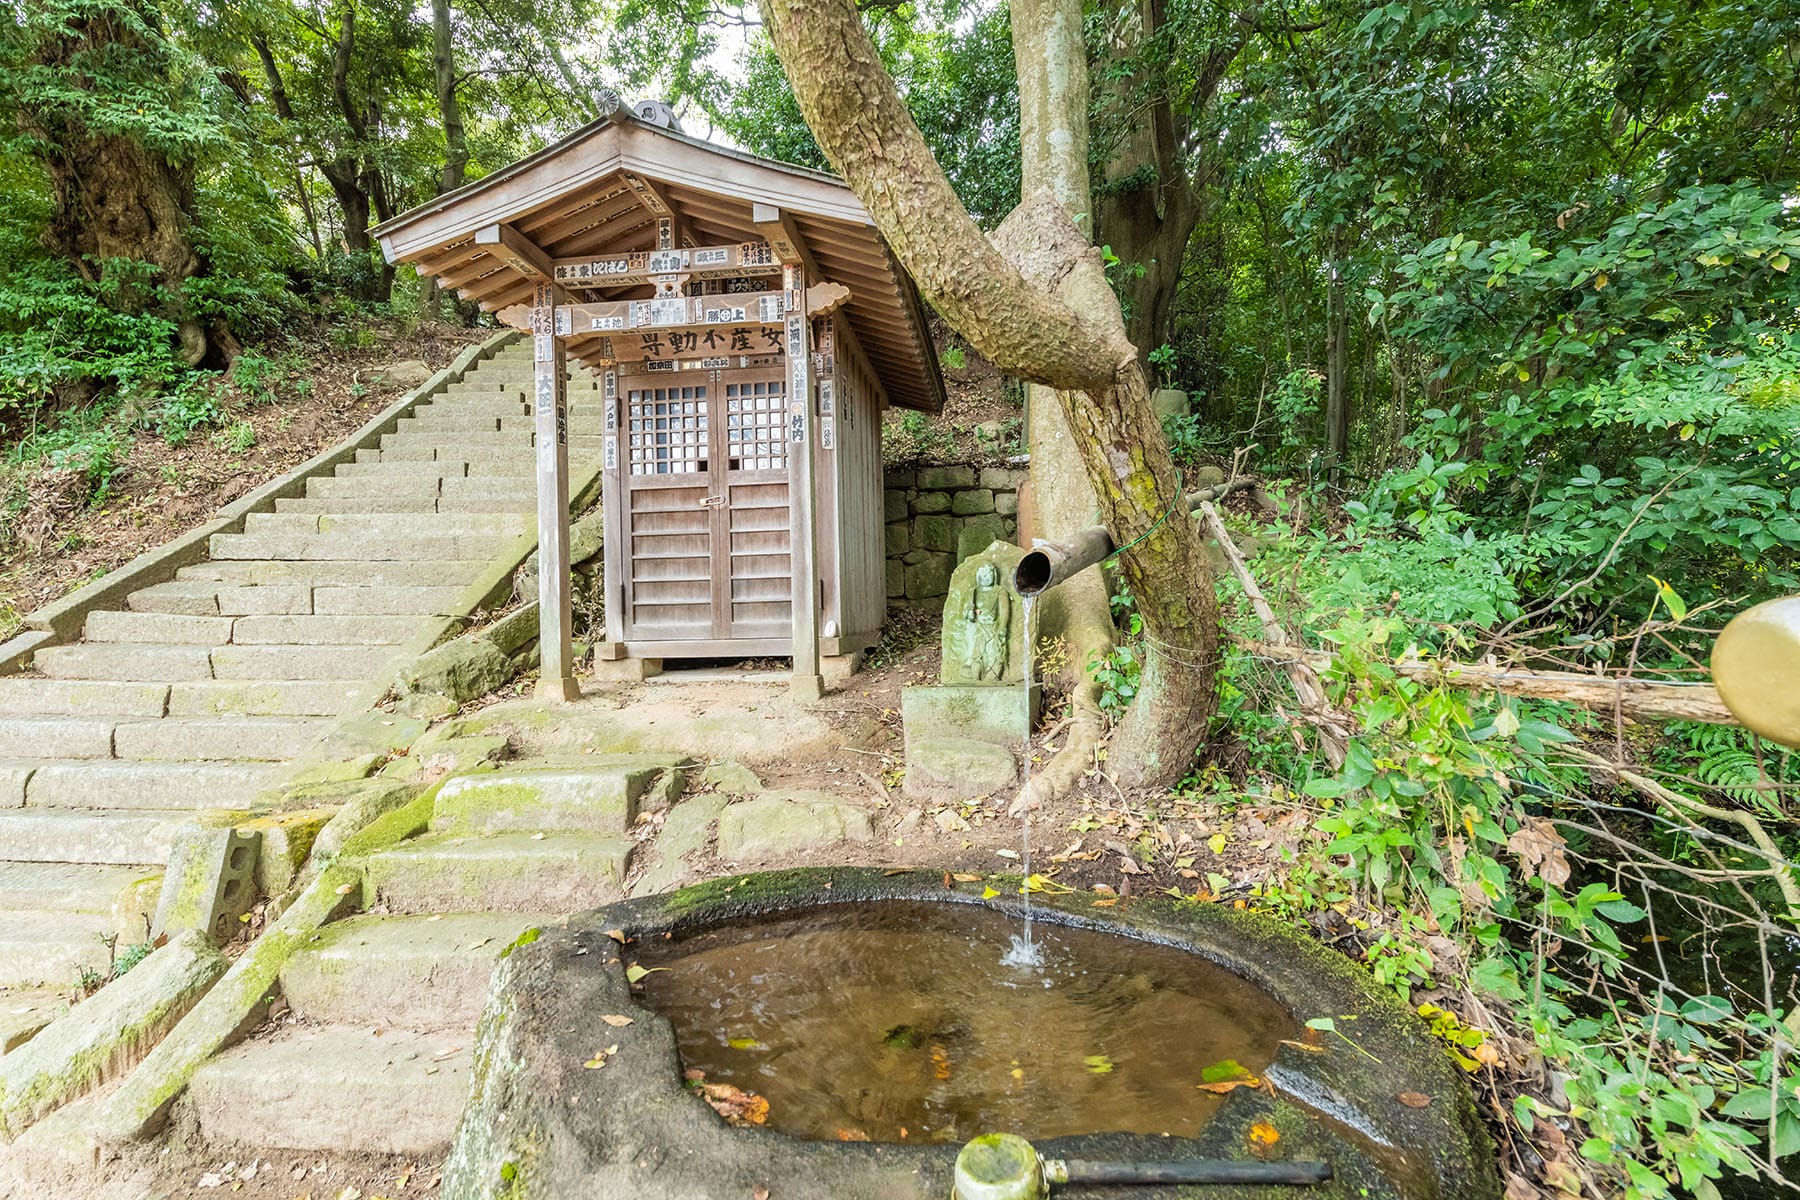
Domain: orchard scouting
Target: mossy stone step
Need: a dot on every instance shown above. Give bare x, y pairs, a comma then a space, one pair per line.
56, 737
133, 661
514, 872
329, 573
81, 697
413, 972
135, 839
280, 697
601, 797
253, 739
52, 948
339, 1089
166, 628
165, 786
304, 630
116, 892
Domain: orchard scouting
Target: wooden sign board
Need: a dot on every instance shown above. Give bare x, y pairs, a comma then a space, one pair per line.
641, 266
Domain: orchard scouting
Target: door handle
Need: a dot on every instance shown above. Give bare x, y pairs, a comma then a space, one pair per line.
711, 501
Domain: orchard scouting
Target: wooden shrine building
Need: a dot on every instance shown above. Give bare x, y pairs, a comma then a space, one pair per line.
749, 326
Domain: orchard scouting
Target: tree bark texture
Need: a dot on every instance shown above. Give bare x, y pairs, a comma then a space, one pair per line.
1051, 55
1007, 306
443, 67
114, 197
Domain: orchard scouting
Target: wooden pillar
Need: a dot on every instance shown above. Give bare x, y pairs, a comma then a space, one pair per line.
612, 507
550, 409
807, 684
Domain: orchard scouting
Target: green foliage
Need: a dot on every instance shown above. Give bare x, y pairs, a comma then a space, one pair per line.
1438, 819
954, 66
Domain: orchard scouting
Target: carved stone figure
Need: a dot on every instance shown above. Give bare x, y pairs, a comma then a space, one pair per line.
983, 625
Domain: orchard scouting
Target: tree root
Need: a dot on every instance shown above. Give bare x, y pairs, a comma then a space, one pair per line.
1086, 731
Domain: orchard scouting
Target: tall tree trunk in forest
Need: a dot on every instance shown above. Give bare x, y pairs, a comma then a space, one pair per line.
1051, 55
1035, 301
443, 69
115, 198
1337, 361
351, 181
1156, 194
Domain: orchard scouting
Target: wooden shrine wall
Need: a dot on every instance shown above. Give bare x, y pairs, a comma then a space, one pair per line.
860, 550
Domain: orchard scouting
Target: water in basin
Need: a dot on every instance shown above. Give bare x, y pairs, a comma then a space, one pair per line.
898, 1022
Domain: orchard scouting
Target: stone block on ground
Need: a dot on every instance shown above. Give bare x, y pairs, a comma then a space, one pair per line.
514, 872
957, 768
1170, 402
357, 803
781, 823
603, 798
210, 881
988, 714
410, 972
683, 832
106, 1034
286, 839
337, 1089
734, 779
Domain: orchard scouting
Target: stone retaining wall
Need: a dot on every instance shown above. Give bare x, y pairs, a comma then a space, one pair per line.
938, 516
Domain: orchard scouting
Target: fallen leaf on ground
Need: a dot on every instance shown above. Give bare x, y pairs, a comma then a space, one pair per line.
1414, 1099
852, 1135
759, 1193
617, 935
1262, 1138
345, 889
635, 973
601, 1057
965, 877
1098, 1064
1223, 1077
737, 1106
616, 1020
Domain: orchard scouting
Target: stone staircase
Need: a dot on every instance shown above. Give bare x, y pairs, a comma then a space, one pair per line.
196, 697
375, 1054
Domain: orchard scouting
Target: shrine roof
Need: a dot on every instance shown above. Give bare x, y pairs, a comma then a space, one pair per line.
585, 196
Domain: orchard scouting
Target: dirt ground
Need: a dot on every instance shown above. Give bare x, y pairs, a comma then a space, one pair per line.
58, 541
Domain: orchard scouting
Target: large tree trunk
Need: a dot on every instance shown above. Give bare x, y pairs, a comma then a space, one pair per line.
1051, 55
114, 197
1007, 305
443, 69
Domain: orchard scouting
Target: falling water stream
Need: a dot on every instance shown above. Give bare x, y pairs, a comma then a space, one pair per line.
1024, 952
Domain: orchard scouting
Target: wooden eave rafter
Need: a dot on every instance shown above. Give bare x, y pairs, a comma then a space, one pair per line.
575, 198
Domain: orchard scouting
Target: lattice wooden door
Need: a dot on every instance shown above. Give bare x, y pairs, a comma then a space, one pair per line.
706, 498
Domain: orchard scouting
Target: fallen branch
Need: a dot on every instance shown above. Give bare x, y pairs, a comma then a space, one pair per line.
1311, 692
1687, 806
1619, 694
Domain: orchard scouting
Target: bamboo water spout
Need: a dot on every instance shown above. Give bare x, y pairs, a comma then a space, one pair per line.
1048, 564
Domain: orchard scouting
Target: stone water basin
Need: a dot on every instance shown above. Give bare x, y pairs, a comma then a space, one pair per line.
872, 1012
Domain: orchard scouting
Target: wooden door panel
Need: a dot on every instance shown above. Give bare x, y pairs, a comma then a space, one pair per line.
670, 527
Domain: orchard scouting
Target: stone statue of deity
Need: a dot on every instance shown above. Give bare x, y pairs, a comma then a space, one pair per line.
983, 634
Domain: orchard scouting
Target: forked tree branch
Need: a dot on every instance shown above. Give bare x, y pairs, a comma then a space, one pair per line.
863, 127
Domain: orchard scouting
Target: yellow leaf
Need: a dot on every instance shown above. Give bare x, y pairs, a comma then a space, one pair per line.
1216, 843
988, 893
1263, 1138
1600, 281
